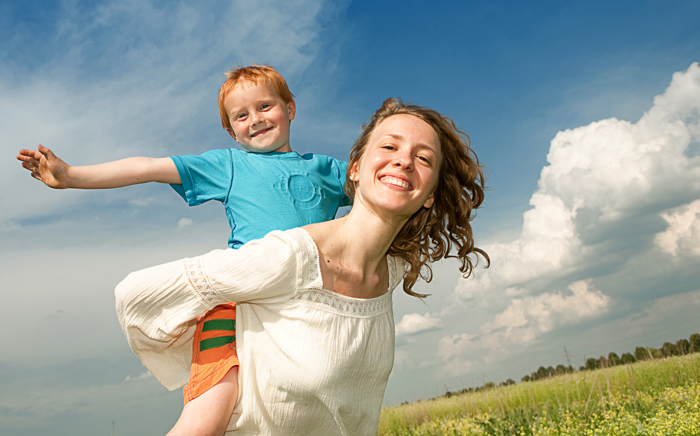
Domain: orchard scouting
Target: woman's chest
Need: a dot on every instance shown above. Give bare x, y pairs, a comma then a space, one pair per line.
306, 351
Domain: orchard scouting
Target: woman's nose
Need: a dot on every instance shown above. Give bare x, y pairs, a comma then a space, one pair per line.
403, 160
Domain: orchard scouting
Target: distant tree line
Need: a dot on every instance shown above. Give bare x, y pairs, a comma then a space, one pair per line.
668, 349
485, 387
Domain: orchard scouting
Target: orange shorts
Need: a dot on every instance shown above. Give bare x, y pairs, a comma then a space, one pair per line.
213, 350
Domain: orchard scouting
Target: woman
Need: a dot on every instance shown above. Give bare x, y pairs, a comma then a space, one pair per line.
315, 323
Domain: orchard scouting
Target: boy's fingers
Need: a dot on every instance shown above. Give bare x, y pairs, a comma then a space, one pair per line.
26, 154
27, 162
29, 165
45, 151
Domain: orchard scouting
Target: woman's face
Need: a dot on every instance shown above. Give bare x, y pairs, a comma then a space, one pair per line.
399, 168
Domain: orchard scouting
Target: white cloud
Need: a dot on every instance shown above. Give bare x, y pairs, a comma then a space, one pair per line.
184, 222
457, 367
526, 318
682, 238
141, 376
523, 321
455, 345
605, 173
414, 323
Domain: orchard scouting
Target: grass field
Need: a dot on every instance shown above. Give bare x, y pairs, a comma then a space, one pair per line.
655, 397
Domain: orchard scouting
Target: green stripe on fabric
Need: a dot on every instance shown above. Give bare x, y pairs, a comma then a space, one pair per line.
219, 324
208, 344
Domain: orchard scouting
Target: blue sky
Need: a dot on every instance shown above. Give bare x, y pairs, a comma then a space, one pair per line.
585, 115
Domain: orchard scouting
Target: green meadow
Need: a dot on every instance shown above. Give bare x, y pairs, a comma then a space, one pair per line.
653, 397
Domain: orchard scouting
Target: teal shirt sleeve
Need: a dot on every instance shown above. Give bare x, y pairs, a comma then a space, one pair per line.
204, 177
342, 177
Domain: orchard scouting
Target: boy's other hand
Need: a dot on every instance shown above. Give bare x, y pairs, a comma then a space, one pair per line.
45, 167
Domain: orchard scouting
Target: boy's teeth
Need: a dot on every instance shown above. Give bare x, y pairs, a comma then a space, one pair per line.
259, 132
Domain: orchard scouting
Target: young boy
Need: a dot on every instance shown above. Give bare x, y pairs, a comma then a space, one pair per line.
266, 187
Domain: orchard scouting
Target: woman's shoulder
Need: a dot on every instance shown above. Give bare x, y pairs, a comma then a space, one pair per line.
298, 248
298, 240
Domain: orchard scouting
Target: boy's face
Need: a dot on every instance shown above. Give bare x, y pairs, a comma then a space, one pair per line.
259, 118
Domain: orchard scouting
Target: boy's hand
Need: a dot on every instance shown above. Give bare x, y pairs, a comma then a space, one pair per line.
45, 167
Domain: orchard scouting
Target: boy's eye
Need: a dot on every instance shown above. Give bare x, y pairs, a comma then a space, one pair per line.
240, 116
264, 106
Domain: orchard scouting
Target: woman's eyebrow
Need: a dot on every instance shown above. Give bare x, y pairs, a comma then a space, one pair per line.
392, 135
399, 136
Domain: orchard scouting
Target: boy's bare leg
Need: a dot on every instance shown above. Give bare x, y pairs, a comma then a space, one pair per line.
209, 413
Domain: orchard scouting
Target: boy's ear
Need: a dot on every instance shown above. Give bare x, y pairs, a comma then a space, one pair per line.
232, 134
292, 109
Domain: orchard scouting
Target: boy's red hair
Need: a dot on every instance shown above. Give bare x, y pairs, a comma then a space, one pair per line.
253, 74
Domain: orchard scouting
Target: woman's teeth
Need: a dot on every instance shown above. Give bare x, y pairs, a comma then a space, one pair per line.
396, 181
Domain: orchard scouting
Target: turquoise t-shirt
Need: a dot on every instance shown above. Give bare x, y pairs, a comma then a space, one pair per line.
264, 191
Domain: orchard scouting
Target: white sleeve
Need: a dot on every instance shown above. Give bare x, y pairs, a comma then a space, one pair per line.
157, 307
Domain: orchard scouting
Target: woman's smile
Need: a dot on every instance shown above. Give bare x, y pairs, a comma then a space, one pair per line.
396, 181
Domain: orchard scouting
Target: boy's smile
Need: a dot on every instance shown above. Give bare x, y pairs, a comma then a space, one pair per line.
259, 118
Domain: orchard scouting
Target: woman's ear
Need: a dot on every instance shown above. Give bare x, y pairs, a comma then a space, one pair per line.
354, 170
429, 202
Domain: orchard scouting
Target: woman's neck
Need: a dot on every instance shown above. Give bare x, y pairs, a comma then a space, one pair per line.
352, 253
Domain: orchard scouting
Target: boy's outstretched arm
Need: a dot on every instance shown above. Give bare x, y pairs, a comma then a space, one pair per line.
55, 173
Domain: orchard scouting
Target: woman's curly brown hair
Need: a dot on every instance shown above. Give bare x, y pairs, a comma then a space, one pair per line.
432, 233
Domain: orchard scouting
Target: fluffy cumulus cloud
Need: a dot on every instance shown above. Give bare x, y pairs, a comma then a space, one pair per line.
451, 350
415, 323
522, 321
612, 190
455, 345
526, 318
682, 238
603, 173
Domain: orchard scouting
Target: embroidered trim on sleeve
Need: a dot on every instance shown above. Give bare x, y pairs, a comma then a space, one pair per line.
200, 282
311, 273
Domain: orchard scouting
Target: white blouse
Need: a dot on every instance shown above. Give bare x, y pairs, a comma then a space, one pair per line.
313, 362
